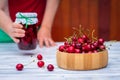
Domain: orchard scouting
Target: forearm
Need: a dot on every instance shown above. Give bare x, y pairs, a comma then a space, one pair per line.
5, 20
51, 8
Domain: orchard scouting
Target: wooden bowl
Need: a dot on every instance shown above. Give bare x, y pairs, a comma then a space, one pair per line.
84, 61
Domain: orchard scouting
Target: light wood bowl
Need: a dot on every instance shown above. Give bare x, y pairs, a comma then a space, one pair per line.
84, 61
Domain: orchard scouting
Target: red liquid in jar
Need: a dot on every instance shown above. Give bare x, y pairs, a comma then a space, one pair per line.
29, 42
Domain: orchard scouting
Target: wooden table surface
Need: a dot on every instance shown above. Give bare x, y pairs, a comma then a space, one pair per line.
10, 55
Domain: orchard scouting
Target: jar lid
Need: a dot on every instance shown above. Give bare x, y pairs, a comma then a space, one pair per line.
26, 18
24, 21
26, 14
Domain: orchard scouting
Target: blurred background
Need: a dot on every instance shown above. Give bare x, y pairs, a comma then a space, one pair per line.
101, 15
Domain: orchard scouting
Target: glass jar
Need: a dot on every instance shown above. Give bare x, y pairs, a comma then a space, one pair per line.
29, 21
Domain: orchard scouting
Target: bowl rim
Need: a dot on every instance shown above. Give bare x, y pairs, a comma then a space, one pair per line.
82, 53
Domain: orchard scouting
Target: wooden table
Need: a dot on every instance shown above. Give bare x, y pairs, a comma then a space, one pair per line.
10, 55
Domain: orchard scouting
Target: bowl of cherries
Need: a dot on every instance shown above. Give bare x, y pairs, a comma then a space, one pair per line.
82, 52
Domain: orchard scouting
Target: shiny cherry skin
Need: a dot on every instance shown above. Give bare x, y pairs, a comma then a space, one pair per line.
39, 57
100, 40
19, 67
50, 67
62, 48
40, 63
71, 49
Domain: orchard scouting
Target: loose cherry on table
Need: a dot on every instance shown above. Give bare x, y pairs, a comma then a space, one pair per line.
40, 63
19, 67
50, 67
39, 57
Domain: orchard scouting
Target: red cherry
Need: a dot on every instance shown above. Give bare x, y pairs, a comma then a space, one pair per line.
50, 67
77, 51
95, 51
62, 48
87, 48
102, 47
19, 67
40, 64
89, 41
90, 52
93, 47
73, 44
100, 40
85, 38
24, 42
39, 57
30, 29
83, 51
85, 43
96, 44
70, 49
78, 45
66, 43
80, 40
74, 39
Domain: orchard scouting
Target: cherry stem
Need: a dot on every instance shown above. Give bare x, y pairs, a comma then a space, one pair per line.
30, 62
93, 38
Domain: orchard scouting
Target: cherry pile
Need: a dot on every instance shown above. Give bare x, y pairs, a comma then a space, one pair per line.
82, 43
40, 64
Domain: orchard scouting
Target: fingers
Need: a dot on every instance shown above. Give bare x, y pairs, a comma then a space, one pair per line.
17, 32
16, 40
51, 42
18, 35
16, 25
41, 42
47, 42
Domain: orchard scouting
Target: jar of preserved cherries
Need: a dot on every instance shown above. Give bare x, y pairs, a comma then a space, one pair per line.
29, 21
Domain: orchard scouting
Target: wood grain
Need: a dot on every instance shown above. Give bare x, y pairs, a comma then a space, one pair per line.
115, 20
101, 15
75, 61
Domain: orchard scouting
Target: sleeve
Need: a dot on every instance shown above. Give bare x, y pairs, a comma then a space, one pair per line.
4, 38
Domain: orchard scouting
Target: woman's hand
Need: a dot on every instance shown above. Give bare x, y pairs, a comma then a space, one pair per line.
44, 37
15, 31
44, 34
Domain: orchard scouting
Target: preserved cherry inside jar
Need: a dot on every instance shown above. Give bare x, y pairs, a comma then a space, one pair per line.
29, 41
